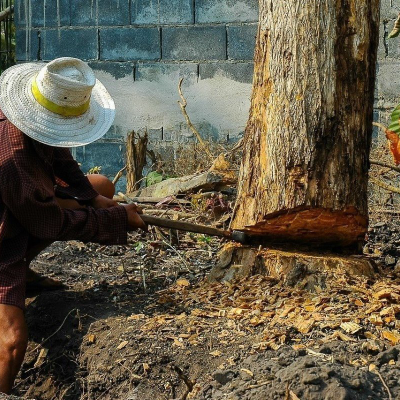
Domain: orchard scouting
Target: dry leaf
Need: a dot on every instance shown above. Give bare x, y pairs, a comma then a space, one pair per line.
215, 353
146, 368
42, 356
183, 282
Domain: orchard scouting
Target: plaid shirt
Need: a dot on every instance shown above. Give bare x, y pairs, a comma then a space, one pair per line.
31, 175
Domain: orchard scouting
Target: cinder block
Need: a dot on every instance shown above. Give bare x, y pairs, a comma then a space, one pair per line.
241, 42
194, 43
83, 12
389, 10
240, 72
80, 43
27, 45
113, 12
108, 156
176, 12
50, 14
226, 11
154, 72
144, 12
388, 82
117, 69
126, 44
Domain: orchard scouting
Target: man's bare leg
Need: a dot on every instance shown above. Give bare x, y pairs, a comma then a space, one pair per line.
13, 342
103, 186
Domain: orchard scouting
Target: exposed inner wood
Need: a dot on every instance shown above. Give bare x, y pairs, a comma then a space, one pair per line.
312, 225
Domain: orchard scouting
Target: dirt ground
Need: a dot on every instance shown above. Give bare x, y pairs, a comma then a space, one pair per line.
141, 322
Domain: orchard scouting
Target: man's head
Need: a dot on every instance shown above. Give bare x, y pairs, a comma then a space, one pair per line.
60, 103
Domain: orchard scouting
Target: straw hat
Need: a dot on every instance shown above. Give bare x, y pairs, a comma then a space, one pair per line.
60, 103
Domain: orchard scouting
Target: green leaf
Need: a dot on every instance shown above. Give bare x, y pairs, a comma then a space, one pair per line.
153, 178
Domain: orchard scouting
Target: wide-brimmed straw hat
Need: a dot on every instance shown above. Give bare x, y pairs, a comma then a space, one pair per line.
60, 103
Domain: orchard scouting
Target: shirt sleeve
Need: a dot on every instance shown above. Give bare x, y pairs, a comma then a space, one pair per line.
35, 207
67, 169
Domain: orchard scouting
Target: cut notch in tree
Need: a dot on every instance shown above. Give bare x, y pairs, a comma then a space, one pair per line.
305, 167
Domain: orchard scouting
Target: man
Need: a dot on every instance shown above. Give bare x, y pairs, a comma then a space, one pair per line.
44, 196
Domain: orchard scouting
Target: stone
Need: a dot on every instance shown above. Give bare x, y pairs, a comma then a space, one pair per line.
80, 43
223, 377
126, 44
241, 42
194, 43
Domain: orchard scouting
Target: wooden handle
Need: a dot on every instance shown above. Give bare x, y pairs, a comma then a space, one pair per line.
184, 226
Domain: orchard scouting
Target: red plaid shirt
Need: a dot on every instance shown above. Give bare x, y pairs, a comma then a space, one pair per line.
29, 173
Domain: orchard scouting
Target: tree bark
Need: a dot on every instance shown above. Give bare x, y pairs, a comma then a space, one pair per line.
135, 160
305, 167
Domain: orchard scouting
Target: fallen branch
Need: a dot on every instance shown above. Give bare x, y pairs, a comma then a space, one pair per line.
384, 185
183, 104
382, 164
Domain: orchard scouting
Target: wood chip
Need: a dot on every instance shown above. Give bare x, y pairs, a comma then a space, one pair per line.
247, 371
215, 353
91, 339
393, 337
350, 327
122, 345
183, 282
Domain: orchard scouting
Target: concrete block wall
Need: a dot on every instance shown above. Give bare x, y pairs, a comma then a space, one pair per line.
139, 50
387, 95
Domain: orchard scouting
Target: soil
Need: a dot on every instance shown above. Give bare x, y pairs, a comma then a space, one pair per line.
141, 322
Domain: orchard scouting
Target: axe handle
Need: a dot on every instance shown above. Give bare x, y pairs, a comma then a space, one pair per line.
184, 226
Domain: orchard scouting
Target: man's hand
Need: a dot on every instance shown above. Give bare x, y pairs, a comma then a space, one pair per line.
103, 202
134, 220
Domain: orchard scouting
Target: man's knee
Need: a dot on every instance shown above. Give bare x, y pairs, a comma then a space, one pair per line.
15, 341
13, 331
102, 185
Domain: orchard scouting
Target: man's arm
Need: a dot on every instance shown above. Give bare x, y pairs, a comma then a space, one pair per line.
38, 212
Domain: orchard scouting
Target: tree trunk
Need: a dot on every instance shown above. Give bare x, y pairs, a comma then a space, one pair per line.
135, 160
305, 168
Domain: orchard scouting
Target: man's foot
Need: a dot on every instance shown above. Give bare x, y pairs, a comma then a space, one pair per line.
38, 283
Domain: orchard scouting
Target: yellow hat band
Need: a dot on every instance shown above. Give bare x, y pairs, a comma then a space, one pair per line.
65, 111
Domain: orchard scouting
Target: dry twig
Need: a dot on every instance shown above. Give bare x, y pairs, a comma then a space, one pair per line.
183, 104
53, 334
384, 185
382, 164
119, 175
384, 385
